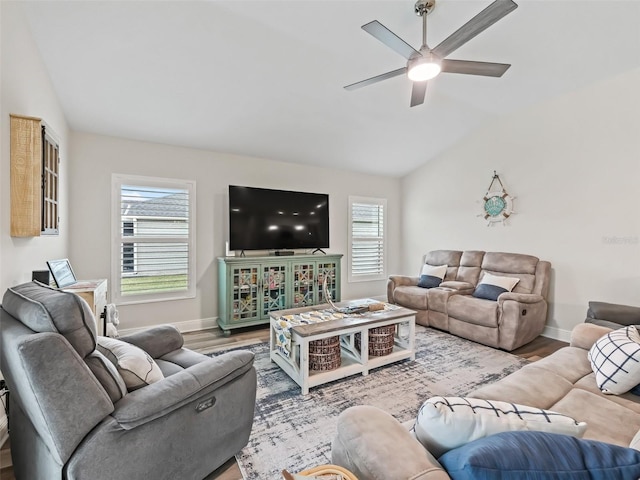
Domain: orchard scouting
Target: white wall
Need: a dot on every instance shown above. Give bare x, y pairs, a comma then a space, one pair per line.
26, 90
574, 166
96, 158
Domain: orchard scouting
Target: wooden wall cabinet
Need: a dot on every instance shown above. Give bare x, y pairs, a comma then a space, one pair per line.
34, 178
251, 287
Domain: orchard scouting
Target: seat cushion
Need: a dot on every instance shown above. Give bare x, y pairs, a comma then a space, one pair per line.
411, 296
473, 310
607, 421
540, 456
628, 400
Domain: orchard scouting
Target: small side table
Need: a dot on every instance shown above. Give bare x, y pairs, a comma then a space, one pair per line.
94, 293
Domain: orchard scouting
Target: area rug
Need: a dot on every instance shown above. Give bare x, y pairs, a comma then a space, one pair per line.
294, 432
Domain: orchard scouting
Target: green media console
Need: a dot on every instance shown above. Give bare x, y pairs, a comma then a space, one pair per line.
251, 287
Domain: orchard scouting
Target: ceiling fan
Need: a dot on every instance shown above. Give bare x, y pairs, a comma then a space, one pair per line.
427, 63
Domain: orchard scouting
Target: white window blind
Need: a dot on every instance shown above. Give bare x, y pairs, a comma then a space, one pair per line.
154, 246
367, 239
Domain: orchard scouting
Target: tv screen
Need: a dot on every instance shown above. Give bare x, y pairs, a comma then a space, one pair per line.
265, 219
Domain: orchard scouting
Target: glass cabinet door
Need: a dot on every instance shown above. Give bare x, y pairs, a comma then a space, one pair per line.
245, 292
327, 269
303, 284
274, 282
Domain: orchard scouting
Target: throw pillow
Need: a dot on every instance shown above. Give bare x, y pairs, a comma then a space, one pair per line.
635, 441
444, 423
136, 367
540, 456
431, 276
491, 286
615, 359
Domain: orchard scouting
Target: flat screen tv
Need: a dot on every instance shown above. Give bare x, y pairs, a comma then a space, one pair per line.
265, 219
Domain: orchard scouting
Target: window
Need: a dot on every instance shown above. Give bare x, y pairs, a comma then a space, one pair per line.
50, 167
367, 245
128, 255
154, 239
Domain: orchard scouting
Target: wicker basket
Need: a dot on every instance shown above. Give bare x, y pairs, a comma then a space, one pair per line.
381, 340
324, 354
323, 471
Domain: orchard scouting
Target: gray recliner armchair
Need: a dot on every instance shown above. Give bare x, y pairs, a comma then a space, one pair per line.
71, 417
612, 315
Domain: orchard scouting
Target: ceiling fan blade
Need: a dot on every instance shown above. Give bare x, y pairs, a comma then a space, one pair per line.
476, 25
486, 69
418, 92
376, 79
390, 39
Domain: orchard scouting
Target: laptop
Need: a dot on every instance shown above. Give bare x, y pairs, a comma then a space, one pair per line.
62, 272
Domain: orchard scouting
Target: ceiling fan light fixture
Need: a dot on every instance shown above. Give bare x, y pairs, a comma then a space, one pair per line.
423, 68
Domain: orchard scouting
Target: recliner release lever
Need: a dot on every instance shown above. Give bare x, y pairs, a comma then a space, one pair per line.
203, 405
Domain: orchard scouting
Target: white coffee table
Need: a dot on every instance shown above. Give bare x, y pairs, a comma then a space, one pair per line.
353, 360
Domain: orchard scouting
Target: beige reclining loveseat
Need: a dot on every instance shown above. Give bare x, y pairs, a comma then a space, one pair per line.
514, 319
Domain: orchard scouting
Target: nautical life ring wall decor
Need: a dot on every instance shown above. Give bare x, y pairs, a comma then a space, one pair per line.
497, 204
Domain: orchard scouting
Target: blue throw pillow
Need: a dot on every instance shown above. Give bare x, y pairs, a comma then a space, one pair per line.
431, 276
491, 286
526, 455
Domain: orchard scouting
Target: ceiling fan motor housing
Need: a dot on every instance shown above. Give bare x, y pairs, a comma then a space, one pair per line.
423, 7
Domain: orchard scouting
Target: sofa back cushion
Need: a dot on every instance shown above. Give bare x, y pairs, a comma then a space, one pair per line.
512, 265
45, 309
470, 267
451, 258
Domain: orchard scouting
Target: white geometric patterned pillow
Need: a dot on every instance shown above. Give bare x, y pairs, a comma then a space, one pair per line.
136, 367
445, 423
615, 359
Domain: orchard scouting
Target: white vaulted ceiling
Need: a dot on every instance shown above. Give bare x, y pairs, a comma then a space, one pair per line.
265, 78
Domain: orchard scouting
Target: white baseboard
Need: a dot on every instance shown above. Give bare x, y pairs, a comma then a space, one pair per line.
557, 334
186, 326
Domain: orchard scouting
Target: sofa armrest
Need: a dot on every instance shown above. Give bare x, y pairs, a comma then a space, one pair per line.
403, 280
460, 287
156, 341
621, 314
374, 445
160, 398
64, 403
522, 317
524, 298
584, 335
396, 281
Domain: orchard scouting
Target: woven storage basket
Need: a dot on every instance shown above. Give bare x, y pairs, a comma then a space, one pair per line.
324, 354
381, 340
323, 471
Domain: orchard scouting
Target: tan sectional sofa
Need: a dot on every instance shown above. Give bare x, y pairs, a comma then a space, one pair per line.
374, 445
516, 318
